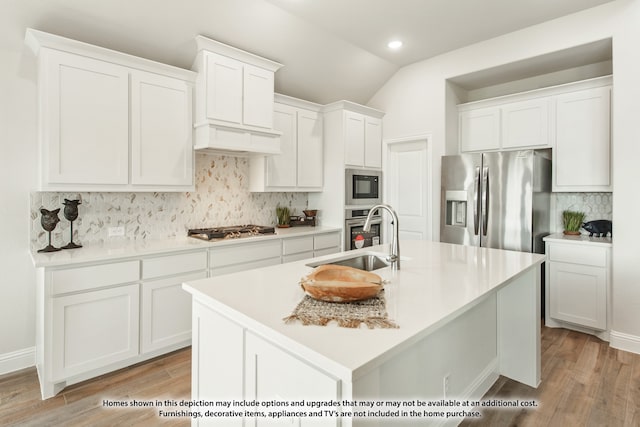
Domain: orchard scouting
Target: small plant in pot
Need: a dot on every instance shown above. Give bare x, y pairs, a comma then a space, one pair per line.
284, 216
572, 221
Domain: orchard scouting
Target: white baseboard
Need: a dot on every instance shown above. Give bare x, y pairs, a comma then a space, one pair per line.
624, 342
17, 360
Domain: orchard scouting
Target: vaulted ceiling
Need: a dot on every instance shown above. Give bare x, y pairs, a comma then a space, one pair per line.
331, 49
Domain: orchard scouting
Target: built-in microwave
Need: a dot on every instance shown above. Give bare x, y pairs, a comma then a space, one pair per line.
363, 187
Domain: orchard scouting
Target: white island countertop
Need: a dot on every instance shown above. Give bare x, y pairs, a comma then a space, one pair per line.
437, 282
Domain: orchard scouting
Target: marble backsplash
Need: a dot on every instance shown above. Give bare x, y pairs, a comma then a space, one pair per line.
221, 198
594, 205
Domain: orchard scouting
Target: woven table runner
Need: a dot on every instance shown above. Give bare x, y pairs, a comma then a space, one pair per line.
371, 312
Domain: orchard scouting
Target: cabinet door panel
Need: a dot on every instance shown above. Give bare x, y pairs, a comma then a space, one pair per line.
526, 123
224, 88
579, 294
161, 129
166, 312
258, 97
479, 129
85, 121
354, 139
272, 373
217, 361
310, 152
94, 329
281, 168
582, 157
373, 142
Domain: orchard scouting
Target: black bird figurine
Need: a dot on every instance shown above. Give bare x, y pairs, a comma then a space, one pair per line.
49, 220
71, 213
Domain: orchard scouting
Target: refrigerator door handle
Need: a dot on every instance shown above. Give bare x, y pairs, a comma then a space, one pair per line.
485, 199
476, 201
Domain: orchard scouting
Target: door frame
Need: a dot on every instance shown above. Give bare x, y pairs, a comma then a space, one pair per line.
387, 144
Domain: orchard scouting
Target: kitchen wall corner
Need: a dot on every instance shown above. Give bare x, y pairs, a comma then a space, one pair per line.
221, 198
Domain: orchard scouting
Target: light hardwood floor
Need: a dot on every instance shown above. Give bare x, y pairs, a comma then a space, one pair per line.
584, 383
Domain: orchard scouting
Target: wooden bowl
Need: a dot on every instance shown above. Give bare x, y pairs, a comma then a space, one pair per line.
337, 283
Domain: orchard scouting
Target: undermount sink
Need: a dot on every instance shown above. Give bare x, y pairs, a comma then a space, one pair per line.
366, 262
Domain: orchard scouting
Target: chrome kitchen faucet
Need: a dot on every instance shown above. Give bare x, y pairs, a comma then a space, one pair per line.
394, 250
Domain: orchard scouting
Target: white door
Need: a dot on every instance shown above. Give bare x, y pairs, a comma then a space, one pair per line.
407, 189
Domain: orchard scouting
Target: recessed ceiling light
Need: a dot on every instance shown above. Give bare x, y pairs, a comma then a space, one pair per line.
394, 44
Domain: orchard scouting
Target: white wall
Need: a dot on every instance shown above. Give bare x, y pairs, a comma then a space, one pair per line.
18, 165
416, 100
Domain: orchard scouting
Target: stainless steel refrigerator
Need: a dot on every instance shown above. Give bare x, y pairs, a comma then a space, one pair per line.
496, 199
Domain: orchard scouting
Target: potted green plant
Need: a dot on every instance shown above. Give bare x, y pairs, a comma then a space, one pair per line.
572, 221
284, 215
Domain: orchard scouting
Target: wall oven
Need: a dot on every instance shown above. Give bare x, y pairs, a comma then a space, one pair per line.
363, 187
355, 238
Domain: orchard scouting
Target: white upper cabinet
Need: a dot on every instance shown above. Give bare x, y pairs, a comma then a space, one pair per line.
354, 138
161, 129
111, 121
362, 140
258, 97
525, 124
299, 166
372, 142
310, 150
507, 125
479, 129
84, 120
224, 83
234, 100
573, 119
582, 156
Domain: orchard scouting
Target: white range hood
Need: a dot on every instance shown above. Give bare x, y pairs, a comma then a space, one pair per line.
234, 100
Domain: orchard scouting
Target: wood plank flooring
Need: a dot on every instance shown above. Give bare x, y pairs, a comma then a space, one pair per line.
584, 383
166, 377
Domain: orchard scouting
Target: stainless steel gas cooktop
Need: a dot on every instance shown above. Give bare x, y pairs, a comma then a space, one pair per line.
231, 232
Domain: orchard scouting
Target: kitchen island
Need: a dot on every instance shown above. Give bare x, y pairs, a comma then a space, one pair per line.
465, 316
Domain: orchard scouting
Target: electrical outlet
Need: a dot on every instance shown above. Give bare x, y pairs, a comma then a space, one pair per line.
116, 231
445, 385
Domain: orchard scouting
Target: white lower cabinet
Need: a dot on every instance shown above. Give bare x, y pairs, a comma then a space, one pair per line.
166, 312
578, 285
98, 318
94, 329
231, 362
327, 243
272, 373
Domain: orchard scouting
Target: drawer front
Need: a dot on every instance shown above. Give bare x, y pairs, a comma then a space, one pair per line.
243, 253
329, 240
297, 257
173, 264
297, 245
578, 254
94, 276
327, 251
244, 266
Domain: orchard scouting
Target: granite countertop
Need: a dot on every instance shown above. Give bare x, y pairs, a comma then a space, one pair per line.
437, 282
580, 239
119, 249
